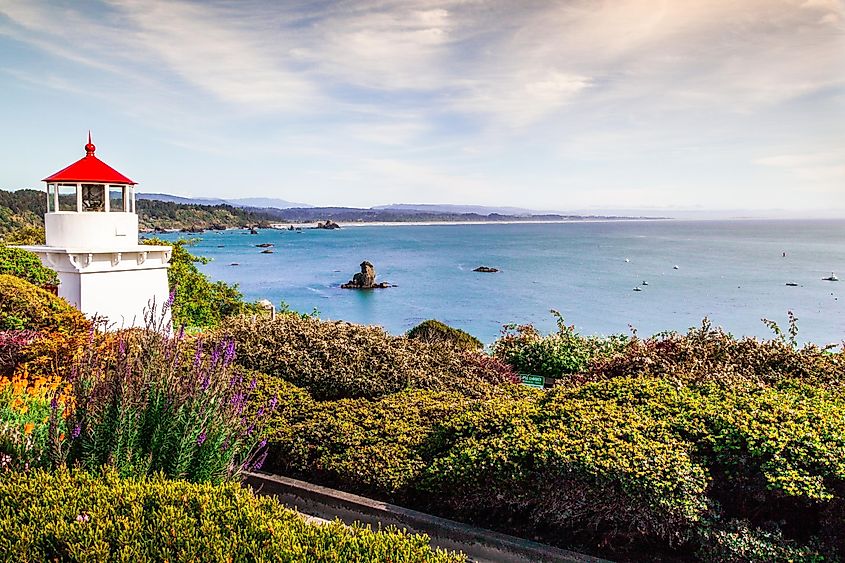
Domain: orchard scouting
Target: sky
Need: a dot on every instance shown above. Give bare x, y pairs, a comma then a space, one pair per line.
545, 104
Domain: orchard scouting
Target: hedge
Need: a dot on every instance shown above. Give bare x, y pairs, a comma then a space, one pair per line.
74, 516
335, 360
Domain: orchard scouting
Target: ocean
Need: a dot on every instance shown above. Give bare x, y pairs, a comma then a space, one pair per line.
733, 272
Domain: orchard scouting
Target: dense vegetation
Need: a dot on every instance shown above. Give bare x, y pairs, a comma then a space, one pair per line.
76, 516
25, 306
676, 444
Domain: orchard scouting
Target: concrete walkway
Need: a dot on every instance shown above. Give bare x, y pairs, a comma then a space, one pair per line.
320, 504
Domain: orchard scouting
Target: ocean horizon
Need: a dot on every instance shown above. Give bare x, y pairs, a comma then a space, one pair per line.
734, 272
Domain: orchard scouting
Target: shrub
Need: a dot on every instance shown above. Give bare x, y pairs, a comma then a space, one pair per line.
146, 402
26, 307
557, 355
739, 541
435, 331
612, 474
107, 518
333, 360
368, 445
710, 354
26, 265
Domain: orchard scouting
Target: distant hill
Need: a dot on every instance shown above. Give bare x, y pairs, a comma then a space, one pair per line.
449, 208
234, 202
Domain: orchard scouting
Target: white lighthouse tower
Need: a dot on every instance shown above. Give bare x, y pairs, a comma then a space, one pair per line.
92, 243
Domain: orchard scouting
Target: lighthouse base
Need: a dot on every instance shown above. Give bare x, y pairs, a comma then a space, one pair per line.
121, 286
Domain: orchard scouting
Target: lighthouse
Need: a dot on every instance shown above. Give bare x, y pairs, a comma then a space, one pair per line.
91, 228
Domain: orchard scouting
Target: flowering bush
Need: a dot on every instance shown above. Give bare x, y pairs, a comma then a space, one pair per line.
144, 402
24, 417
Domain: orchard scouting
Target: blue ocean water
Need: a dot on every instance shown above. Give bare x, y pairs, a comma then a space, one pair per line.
733, 272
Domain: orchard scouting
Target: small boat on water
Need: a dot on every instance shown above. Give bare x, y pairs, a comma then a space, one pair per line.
831, 277
638, 289
792, 284
676, 267
645, 282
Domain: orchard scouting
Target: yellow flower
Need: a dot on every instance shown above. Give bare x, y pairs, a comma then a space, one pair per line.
27, 428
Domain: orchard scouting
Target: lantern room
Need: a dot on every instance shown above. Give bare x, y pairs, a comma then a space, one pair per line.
91, 231
89, 200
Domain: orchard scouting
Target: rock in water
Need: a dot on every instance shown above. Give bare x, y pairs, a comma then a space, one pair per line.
365, 279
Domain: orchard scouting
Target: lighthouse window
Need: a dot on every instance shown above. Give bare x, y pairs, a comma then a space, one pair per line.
117, 199
93, 197
51, 203
67, 198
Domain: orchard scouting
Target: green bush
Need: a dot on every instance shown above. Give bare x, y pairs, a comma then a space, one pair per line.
27, 266
557, 355
24, 306
73, 516
334, 360
435, 331
368, 445
578, 466
198, 302
739, 541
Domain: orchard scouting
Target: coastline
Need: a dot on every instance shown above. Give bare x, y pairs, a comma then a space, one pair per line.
284, 226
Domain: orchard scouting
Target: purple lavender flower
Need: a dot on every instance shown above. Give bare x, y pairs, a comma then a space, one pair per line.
170, 298
122, 346
205, 383
77, 430
201, 438
260, 412
215, 355
273, 402
262, 443
230, 352
198, 354
252, 384
181, 334
82, 518
260, 462
54, 404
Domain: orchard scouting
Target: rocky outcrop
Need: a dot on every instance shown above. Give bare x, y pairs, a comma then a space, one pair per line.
365, 279
486, 269
328, 225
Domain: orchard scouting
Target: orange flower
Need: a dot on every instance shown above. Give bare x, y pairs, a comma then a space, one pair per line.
27, 428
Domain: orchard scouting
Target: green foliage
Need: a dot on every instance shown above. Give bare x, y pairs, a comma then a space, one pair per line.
74, 516
27, 266
25, 306
334, 360
21, 209
435, 331
739, 541
198, 302
371, 445
25, 235
556, 355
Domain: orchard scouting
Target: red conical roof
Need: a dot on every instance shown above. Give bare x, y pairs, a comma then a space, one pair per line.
89, 169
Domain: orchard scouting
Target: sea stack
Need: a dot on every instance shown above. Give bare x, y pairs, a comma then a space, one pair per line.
365, 279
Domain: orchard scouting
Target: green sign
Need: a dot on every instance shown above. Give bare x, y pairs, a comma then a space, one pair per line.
537, 381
